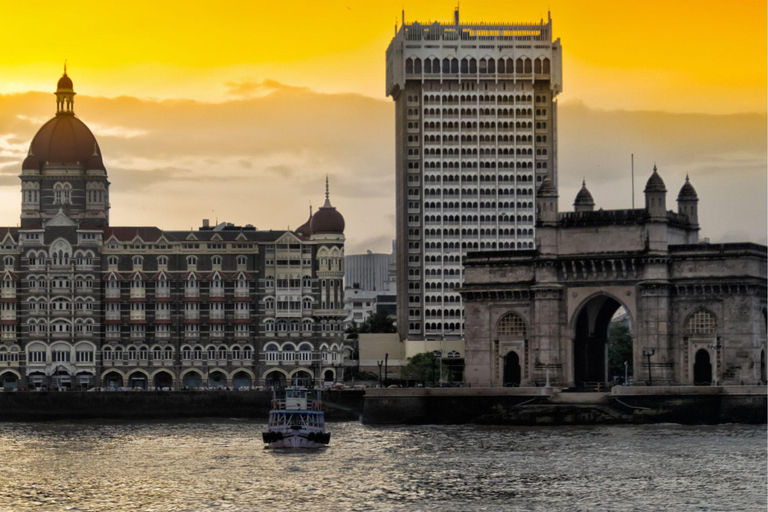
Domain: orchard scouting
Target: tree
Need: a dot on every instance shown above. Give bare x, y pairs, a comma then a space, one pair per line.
378, 322
352, 331
619, 348
420, 368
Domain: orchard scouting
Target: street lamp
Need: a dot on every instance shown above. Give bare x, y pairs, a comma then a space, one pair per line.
386, 370
715, 347
438, 355
626, 373
648, 353
380, 365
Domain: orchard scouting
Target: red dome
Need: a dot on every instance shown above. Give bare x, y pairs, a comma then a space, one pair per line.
64, 82
327, 221
64, 140
306, 229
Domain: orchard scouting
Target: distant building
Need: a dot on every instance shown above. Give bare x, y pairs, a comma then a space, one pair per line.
369, 286
475, 132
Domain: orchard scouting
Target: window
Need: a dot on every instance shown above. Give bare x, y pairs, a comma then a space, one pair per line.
511, 325
702, 322
162, 261
191, 261
216, 261
242, 261
112, 261
138, 261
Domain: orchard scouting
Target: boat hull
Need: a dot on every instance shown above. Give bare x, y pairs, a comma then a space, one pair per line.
295, 441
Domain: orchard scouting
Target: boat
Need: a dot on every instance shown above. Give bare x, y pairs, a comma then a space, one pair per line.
296, 420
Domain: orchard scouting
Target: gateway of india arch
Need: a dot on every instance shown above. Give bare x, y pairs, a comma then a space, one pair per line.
697, 310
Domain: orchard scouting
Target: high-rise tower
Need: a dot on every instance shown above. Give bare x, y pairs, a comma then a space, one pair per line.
476, 131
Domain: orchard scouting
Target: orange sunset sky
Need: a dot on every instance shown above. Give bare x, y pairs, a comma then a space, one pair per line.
237, 110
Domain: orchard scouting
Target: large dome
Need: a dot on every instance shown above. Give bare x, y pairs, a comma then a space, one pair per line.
327, 220
64, 140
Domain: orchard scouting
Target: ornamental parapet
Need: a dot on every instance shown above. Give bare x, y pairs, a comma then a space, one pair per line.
485, 292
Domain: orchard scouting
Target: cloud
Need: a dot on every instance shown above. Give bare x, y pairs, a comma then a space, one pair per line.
262, 157
248, 87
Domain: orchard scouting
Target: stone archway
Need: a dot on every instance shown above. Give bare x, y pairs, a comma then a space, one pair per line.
512, 372
590, 343
702, 368
163, 379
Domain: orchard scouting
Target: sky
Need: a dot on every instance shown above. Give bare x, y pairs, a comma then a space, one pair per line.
236, 111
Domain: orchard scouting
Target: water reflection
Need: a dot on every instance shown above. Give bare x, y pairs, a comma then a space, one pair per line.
221, 465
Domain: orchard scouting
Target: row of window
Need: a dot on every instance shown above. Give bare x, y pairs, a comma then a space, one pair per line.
413, 65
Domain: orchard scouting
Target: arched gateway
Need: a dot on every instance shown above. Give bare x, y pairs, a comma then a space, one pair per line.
694, 310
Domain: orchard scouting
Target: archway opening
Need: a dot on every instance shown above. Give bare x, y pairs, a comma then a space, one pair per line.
163, 380
61, 380
113, 380
10, 381
274, 380
137, 380
328, 376
192, 380
217, 380
301, 378
241, 380
763, 376
620, 347
590, 345
512, 374
84, 380
702, 368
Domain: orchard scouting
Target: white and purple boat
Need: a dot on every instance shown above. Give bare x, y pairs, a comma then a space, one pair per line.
296, 420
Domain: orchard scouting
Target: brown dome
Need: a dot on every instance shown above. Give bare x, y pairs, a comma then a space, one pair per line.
687, 192
584, 198
327, 221
64, 140
31, 162
64, 82
306, 228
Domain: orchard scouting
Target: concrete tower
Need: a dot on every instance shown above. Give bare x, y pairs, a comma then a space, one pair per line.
476, 133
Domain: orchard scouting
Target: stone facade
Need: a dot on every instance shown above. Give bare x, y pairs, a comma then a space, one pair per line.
697, 309
88, 304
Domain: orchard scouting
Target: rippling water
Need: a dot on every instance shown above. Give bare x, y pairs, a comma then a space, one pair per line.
222, 466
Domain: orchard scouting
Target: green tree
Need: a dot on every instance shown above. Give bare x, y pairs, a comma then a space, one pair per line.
421, 368
378, 322
619, 348
352, 331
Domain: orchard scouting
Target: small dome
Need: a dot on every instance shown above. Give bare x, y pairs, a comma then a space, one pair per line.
687, 192
655, 183
584, 198
306, 229
31, 163
546, 189
64, 82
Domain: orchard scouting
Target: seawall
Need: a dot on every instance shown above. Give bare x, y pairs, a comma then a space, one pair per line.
542, 406
339, 405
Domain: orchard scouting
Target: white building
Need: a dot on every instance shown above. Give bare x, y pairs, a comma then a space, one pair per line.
368, 272
476, 131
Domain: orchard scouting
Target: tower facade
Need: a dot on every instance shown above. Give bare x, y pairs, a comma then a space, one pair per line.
476, 132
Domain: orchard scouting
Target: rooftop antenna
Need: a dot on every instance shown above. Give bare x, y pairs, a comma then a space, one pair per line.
632, 166
456, 13
403, 14
65, 66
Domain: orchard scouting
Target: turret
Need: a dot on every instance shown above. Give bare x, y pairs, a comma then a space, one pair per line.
656, 196
584, 201
687, 203
546, 203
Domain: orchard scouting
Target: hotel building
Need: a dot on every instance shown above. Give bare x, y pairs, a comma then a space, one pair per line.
476, 131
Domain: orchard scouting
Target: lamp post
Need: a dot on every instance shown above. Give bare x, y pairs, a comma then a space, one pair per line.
715, 347
386, 369
380, 365
438, 356
626, 373
648, 353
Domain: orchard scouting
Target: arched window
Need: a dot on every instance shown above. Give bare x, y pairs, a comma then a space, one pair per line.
511, 325
702, 322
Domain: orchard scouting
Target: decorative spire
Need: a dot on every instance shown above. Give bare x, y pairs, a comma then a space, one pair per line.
327, 194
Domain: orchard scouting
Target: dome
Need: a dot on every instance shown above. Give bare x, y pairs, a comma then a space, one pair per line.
327, 220
687, 192
655, 183
584, 198
305, 229
546, 189
64, 82
31, 162
64, 140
